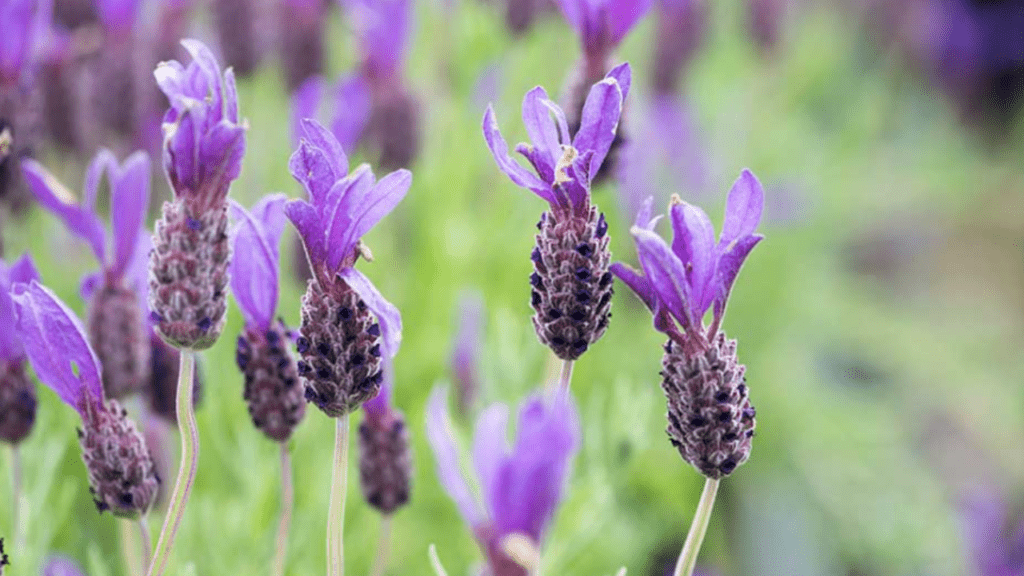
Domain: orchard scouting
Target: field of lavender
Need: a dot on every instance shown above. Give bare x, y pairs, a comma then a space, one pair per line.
882, 137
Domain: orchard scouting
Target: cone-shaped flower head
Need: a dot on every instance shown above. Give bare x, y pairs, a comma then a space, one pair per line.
572, 288
602, 24
347, 325
117, 325
522, 484
17, 393
711, 421
203, 147
465, 358
120, 469
382, 28
385, 458
272, 391
681, 31
238, 34
302, 40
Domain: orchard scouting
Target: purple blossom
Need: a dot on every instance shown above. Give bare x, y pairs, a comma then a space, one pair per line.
22, 271
465, 359
382, 27
351, 108
254, 267
602, 24
62, 566
564, 167
996, 541
342, 207
18, 20
204, 139
118, 16
522, 484
55, 344
682, 281
127, 245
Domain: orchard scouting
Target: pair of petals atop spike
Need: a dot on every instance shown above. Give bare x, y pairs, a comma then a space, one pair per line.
347, 325
120, 469
711, 420
572, 287
204, 141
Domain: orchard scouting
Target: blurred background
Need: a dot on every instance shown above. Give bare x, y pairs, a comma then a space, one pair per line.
881, 322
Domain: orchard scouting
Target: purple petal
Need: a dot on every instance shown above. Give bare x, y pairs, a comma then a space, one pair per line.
387, 315
622, 74
576, 13
324, 140
490, 444
636, 282
449, 472
623, 15
305, 219
729, 264
55, 343
57, 199
339, 212
541, 129
129, 199
305, 103
89, 284
254, 262
599, 121
103, 161
319, 161
499, 149
742, 209
694, 244
352, 110
62, 566
666, 274
22, 271
376, 204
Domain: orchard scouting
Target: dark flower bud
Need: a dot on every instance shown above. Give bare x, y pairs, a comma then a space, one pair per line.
122, 477
236, 30
163, 380
519, 15
385, 461
572, 305
4, 560
17, 402
393, 131
60, 104
711, 420
302, 41
275, 398
114, 89
119, 336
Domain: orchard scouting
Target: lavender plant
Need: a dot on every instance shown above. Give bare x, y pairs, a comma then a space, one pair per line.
302, 40
19, 21
347, 325
680, 32
521, 485
115, 74
118, 329
237, 27
572, 287
711, 420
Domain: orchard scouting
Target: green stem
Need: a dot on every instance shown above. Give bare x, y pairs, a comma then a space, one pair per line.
187, 470
688, 557
565, 375
130, 548
16, 473
147, 541
380, 563
287, 501
336, 512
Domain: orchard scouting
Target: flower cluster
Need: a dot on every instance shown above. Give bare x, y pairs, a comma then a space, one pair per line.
17, 393
385, 457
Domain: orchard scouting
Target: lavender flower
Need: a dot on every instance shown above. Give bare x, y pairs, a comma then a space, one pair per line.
351, 107
711, 421
385, 459
572, 288
115, 76
521, 485
19, 20
62, 566
302, 40
681, 29
995, 535
272, 391
17, 393
765, 19
465, 358
346, 324
117, 325
382, 28
204, 141
237, 28
120, 469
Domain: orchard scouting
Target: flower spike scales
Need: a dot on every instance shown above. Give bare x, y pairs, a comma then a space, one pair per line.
572, 287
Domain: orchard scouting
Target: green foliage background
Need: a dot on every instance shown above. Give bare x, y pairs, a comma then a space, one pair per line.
880, 398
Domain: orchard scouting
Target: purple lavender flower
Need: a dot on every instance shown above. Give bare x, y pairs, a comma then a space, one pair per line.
572, 288
120, 469
17, 393
62, 566
385, 458
382, 28
204, 141
765, 19
521, 485
347, 326
681, 28
117, 325
711, 421
350, 108
302, 40
19, 20
118, 16
237, 29
272, 391
465, 358
115, 76
994, 536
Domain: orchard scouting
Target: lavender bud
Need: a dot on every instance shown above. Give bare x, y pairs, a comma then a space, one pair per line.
340, 349
236, 30
572, 287
17, 402
71, 14
392, 131
711, 420
302, 41
114, 88
189, 275
385, 462
119, 337
163, 380
519, 15
276, 402
121, 473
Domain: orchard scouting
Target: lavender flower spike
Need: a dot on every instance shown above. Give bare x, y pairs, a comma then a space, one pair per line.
272, 391
120, 469
572, 288
202, 153
521, 485
17, 393
385, 458
117, 326
465, 356
347, 326
711, 421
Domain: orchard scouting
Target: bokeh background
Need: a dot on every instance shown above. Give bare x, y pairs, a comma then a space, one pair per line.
882, 321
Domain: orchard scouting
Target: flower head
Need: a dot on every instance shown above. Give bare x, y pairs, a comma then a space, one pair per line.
564, 167
204, 139
254, 267
682, 281
18, 400
602, 24
382, 27
118, 16
22, 271
18, 20
521, 485
385, 460
351, 107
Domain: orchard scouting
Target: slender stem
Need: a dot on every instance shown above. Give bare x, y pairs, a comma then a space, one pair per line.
130, 548
187, 470
147, 541
336, 512
688, 557
565, 375
383, 546
19, 532
287, 501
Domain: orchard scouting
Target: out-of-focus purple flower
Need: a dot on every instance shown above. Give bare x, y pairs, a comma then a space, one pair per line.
22, 271
172, 18
765, 20
994, 536
204, 138
238, 34
118, 16
465, 358
602, 24
383, 28
18, 21
385, 459
62, 566
254, 268
522, 484
302, 40
681, 29
348, 111
17, 392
